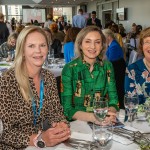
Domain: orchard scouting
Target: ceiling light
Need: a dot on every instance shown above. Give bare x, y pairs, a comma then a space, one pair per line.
37, 1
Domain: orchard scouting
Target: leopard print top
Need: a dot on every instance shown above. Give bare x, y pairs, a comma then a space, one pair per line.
17, 115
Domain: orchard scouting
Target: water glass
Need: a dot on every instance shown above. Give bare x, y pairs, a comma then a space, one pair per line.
103, 135
100, 108
131, 103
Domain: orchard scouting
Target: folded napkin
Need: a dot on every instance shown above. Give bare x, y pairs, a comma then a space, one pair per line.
81, 136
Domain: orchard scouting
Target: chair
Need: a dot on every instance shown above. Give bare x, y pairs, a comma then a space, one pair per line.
133, 57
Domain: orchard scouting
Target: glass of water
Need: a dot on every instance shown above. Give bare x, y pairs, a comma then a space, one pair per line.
131, 103
103, 135
100, 108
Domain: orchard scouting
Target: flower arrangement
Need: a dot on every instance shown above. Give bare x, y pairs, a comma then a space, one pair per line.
145, 108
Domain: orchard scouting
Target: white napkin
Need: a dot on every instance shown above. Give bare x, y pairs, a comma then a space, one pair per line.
81, 136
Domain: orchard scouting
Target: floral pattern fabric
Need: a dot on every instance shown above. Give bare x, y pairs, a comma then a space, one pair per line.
137, 80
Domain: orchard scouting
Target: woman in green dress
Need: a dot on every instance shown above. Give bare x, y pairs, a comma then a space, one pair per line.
87, 77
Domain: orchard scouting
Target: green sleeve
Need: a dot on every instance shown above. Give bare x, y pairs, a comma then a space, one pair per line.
111, 85
67, 92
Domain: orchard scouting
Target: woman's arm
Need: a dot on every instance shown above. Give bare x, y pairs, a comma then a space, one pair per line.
111, 87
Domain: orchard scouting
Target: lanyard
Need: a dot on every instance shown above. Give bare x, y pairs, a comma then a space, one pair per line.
34, 107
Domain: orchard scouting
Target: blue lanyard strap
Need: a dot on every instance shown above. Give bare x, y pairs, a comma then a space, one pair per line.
36, 112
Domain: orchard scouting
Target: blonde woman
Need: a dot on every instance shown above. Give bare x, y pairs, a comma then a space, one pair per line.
30, 110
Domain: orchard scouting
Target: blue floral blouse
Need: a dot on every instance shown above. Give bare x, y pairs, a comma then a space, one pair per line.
137, 80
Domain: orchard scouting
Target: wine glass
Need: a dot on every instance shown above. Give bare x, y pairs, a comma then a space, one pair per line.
103, 135
131, 103
100, 108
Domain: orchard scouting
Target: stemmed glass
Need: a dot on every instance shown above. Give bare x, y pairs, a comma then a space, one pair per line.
100, 108
131, 103
103, 135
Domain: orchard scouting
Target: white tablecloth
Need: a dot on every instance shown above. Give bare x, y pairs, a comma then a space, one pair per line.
82, 128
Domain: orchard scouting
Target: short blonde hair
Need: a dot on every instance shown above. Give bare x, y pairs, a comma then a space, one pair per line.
81, 35
108, 32
19, 63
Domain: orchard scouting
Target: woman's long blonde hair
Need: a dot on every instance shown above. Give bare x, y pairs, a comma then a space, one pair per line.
81, 35
21, 72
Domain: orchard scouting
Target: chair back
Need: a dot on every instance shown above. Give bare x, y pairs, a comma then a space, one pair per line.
133, 57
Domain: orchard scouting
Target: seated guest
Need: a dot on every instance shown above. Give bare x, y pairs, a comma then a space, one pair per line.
87, 77
66, 29
114, 53
69, 43
138, 73
9, 46
4, 32
19, 27
54, 44
118, 36
30, 110
56, 33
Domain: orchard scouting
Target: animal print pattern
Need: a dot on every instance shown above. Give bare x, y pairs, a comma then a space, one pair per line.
17, 115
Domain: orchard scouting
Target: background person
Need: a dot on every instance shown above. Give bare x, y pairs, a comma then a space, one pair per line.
114, 54
79, 20
56, 33
87, 77
4, 32
9, 46
69, 43
94, 21
61, 24
30, 109
49, 21
54, 44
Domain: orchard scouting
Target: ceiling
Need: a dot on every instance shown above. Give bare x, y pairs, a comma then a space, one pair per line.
64, 2
47, 3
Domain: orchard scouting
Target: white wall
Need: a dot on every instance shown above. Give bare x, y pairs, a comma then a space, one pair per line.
138, 12
91, 7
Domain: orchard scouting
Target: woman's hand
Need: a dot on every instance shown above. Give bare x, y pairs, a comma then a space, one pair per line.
57, 134
111, 116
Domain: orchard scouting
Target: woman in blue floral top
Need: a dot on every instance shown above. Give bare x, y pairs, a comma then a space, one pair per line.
137, 80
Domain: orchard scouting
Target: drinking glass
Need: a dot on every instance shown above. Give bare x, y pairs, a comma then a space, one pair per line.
100, 108
131, 103
51, 58
103, 135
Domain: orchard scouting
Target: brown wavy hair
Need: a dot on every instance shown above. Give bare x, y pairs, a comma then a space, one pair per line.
82, 34
71, 34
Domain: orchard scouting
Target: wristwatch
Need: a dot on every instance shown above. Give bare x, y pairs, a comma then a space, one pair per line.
38, 141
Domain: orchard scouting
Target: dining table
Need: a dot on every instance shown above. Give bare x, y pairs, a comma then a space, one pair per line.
56, 69
81, 130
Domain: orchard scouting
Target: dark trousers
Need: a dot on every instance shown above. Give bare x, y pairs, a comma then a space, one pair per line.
119, 70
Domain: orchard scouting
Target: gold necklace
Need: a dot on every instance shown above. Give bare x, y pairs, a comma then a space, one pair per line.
147, 66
